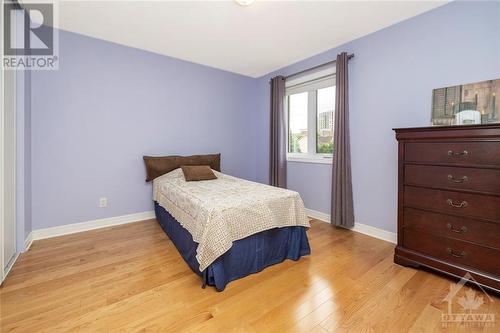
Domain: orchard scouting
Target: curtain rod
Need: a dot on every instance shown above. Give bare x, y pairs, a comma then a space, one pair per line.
316, 67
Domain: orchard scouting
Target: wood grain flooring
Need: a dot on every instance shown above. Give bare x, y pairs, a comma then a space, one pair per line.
130, 278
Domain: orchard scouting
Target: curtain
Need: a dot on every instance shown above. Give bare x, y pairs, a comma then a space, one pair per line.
342, 210
277, 158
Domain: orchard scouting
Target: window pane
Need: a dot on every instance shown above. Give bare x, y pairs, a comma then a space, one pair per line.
297, 123
325, 109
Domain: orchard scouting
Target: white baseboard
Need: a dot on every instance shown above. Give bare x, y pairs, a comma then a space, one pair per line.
91, 225
28, 241
136, 217
358, 227
9, 266
382, 234
314, 214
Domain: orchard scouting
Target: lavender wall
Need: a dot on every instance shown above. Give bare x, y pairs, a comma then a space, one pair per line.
107, 106
391, 81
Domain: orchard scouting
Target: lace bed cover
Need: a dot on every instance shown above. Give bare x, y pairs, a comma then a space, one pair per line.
218, 212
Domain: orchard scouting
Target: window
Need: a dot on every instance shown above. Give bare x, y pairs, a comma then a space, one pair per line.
297, 123
325, 107
310, 111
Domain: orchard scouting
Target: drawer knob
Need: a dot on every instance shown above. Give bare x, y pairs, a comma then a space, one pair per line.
461, 180
458, 153
452, 252
463, 229
463, 204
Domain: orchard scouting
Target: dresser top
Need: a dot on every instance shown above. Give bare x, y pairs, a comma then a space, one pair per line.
446, 128
456, 131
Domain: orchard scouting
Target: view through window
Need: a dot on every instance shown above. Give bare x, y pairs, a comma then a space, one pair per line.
325, 107
297, 129
311, 111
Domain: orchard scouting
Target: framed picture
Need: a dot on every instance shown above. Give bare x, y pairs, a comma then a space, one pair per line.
472, 103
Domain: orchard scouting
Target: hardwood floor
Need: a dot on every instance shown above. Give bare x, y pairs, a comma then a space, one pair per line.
131, 278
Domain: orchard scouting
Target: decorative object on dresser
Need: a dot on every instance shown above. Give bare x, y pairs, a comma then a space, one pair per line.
472, 103
449, 200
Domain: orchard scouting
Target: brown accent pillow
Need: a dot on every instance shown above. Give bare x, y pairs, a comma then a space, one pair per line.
198, 172
157, 166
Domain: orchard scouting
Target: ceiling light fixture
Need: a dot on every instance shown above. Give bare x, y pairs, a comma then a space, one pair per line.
244, 2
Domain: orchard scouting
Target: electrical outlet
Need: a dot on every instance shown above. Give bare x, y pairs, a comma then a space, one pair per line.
103, 202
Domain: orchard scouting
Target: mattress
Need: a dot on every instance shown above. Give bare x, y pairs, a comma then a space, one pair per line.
221, 211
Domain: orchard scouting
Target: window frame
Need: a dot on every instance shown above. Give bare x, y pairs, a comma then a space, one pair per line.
309, 84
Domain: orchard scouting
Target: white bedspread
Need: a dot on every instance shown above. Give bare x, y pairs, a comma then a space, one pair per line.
220, 211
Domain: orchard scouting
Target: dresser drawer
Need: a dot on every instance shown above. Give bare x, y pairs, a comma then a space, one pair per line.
482, 233
472, 179
463, 153
454, 251
465, 204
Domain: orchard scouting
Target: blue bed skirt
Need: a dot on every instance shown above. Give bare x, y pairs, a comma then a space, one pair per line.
248, 255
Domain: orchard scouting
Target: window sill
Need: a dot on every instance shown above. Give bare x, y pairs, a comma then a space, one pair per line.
322, 160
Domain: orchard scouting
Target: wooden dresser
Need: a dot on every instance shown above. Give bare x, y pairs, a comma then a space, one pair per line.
449, 200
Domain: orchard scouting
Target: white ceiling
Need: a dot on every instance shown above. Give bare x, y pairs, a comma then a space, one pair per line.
252, 40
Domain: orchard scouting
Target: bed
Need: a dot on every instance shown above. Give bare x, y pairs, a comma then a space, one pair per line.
226, 228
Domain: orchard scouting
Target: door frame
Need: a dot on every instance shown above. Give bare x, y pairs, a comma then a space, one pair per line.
3, 269
2, 190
